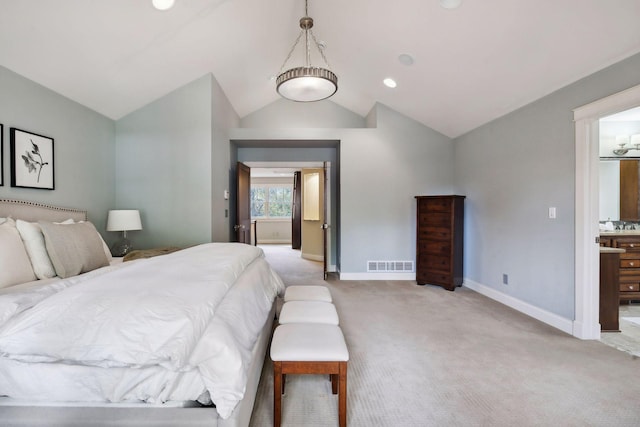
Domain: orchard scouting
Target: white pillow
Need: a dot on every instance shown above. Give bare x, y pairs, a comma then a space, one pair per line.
15, 266
31, 235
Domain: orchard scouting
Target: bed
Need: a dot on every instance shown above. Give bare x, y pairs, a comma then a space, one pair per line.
177, 339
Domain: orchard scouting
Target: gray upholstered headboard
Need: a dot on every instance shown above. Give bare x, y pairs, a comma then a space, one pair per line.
33, 211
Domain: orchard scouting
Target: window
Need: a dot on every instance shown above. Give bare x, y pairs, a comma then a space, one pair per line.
271, 200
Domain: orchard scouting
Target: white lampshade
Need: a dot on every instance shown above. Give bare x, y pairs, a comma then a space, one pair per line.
124, 220
450, 4
307, 84
163, 4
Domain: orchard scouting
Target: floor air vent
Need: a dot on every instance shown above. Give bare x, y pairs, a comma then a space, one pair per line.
389, 266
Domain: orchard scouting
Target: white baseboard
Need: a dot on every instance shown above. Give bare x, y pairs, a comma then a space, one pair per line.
378, 276
312, 257
262, 241
558, 322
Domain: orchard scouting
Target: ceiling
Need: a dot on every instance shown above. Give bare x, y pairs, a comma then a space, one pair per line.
471, 64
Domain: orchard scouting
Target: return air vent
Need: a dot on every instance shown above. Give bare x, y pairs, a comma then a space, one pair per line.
389, 266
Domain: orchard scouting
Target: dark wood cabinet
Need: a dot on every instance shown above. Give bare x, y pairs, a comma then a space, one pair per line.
629, 267
629, 264
440, 231
629, 195
609, 288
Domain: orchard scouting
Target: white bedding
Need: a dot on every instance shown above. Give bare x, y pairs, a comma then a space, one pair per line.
176, 327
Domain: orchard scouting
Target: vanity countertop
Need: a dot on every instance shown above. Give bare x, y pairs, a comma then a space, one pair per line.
621, 233
605, 250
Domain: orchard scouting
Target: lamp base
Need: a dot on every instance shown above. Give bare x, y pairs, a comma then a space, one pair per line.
121, 247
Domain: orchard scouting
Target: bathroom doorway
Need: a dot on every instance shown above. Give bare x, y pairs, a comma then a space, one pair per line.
587, 142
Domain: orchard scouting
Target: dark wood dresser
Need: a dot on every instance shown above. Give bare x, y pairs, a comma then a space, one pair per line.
440, 230
629, 261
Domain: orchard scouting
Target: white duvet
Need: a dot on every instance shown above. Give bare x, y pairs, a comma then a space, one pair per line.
182, 317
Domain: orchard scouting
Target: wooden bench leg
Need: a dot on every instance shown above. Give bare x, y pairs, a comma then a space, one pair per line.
335, 379
338, 384
342, 395
277, 393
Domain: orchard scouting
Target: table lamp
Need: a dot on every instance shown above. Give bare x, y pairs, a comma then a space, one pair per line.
123, 220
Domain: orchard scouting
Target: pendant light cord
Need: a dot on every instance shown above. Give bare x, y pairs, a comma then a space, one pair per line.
306, 33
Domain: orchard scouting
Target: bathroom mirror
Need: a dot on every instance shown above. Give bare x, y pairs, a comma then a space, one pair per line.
619, 190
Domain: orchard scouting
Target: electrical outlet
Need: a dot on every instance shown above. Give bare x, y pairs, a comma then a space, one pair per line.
505, 279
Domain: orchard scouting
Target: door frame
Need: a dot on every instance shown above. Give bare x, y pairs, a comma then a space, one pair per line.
587, 254
277, 151
242, 225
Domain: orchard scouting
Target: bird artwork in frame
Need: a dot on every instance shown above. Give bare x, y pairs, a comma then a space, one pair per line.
32, 163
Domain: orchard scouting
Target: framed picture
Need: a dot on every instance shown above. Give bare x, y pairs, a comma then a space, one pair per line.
31, 160
1, 156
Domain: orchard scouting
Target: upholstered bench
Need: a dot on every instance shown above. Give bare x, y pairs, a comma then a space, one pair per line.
308, 312
307, 293
309, 348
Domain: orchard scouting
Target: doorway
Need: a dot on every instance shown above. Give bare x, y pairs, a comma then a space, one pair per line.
279, 153
619, 152
288, 205
587, 255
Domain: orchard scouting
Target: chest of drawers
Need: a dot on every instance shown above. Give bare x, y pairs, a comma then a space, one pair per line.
439, 243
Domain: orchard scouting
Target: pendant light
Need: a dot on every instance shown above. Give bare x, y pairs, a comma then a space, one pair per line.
306, 83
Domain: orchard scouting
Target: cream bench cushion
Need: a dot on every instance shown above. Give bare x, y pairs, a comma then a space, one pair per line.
308, 312
307, 293
308, 342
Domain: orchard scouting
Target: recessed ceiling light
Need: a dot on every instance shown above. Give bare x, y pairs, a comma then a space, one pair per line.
163, 4
389, 82
405, 59
450, 4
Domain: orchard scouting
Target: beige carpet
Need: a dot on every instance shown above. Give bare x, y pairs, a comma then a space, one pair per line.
423, 356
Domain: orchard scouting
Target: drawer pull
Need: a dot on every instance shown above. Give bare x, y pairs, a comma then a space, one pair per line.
631, 264
631, 245
631, 287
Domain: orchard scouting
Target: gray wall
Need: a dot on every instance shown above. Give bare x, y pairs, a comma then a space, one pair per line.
224, 118
163, 166
512, 170
83, 147
381, 170
325, 114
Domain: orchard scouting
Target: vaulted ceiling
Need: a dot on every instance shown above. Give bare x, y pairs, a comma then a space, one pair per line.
471, 64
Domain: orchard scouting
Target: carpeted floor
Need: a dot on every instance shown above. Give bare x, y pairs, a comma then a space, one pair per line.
423, 356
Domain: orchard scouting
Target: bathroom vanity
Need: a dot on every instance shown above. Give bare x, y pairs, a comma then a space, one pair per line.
629, 264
